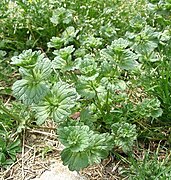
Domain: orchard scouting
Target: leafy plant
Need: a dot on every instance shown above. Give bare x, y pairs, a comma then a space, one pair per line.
113, 72
8, 147
149, 167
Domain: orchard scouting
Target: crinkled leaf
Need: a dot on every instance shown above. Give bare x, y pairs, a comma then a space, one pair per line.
82, 144
69, 34
74, 160
55, 42
62, 64
61, 15
124, 135
42, 113
85, 90
57, 104
27, 58
64, 52
149, 108
87, 117
92, 42
146, 41
43, 69
119, 44
76, 138
100, 145
63, 60
28, 91
145, 47
87, 65
128, 60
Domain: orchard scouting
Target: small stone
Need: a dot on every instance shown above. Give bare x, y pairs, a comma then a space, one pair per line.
60, 172
33, 137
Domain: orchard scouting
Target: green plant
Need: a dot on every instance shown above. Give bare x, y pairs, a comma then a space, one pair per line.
9, 147
114, 72
148, 167
58, 99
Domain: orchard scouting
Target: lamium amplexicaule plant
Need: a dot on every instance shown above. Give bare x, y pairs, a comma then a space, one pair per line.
84, 74
93, 67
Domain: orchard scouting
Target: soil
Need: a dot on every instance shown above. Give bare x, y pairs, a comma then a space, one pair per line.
40, 160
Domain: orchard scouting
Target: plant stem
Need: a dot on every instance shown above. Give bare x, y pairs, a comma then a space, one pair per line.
6, 111
98, 101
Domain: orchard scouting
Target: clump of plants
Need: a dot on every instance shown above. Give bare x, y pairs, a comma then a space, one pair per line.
112, 72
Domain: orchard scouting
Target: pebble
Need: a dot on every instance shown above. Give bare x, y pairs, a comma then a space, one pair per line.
60, 172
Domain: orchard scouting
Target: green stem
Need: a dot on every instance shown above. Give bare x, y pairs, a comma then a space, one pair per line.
107, 102
6, 111
98, 100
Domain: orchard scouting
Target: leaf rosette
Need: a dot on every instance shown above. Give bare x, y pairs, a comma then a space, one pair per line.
57, 104
83, 146
33, 87
27, 59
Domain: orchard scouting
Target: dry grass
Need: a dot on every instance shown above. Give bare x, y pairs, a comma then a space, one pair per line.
40, 149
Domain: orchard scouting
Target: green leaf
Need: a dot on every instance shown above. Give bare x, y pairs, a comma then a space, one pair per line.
28, 91
69, 34
146, 41
43, 69
84, 88
2, 158
100, 145
42, 112
14, 146
76, 138
149, 108
128, 60
82, 144
87, 65
27, 58
55, 42
57, 104
92, 42
63, 60
62, 15
119, 44
124, 135
88, 118
74, 160
33, 88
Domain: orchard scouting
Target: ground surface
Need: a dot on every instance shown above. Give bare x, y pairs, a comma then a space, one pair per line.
40, 160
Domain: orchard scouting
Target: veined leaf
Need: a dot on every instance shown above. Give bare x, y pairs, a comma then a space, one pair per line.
57, 104
27, 58
100, 145
28, 91
69, 34
124, 135
62, 15
76, 138
83, 146
42, 69
128, 60
55, 42
74, 160
87, 66
63, 60
119, 44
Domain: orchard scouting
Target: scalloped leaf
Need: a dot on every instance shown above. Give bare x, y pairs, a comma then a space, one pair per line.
27, 58
76, 138
83, 146
128, 60
74, 160
57, 104
28, 91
